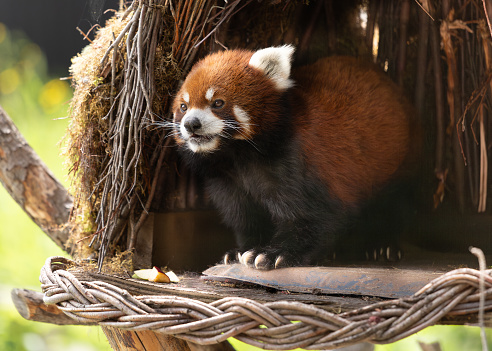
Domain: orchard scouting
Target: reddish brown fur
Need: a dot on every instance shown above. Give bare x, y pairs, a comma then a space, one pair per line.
355, 125
236, 83
348, 115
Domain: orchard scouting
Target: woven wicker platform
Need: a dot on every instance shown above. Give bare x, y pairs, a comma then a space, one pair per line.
205, 313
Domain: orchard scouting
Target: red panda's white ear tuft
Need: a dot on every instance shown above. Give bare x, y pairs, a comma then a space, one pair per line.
275, 62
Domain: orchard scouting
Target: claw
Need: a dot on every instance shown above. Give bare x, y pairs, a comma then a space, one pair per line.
231, 257
226, 259
247, 258
280, 262
261, 262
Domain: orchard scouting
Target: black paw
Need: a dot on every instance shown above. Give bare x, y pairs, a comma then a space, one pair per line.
384, 253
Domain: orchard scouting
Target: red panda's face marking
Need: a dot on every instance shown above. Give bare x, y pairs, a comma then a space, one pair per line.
210, 94
186, 97
226, 95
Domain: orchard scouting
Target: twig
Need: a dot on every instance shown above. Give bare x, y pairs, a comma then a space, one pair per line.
483, 164
453, 96
486, 8
425, 6
481, 262
150, 197
86, 35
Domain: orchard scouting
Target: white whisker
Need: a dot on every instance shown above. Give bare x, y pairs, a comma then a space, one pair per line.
236, 127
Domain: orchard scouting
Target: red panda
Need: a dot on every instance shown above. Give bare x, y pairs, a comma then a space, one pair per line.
289, 157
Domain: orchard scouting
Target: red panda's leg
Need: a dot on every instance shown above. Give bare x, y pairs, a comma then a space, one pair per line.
251, 222
308, 224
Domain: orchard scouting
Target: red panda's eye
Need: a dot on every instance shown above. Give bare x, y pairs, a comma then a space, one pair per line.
183, 107
218, 103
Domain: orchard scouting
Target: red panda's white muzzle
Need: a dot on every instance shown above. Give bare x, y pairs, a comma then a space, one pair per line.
201, 130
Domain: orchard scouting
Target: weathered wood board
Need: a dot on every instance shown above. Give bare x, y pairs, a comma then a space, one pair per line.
375, 282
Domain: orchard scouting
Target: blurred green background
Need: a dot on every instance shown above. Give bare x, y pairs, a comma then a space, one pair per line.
38, 104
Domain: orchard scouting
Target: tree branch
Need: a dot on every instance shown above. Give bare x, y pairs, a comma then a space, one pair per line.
32, 185
30, 305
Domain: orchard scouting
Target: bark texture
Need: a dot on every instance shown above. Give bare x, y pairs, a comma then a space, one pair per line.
32, 185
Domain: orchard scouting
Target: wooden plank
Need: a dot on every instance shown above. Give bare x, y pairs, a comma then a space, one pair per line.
379, 282
193, 286
30, 305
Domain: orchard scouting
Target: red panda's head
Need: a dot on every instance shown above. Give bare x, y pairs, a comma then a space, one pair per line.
231, 95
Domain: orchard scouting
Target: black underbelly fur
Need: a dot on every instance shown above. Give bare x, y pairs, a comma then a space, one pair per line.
276, 205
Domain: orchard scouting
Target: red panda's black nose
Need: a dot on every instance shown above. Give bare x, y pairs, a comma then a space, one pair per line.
192, 125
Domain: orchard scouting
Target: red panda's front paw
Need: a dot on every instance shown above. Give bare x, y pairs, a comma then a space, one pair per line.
248, 258
265, 260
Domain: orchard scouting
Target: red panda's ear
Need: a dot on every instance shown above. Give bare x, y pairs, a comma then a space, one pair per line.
275, 62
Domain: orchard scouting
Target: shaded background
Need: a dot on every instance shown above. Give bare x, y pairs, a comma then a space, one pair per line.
52, 25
